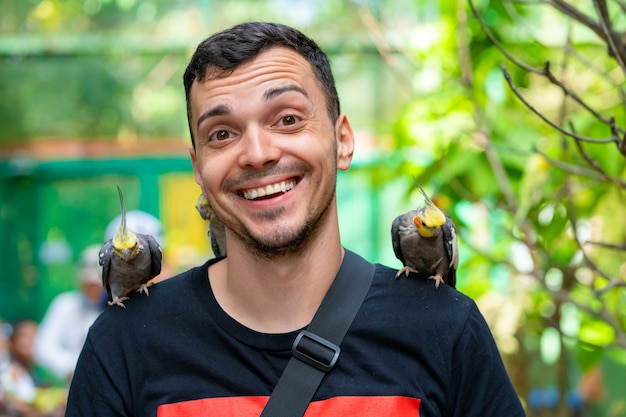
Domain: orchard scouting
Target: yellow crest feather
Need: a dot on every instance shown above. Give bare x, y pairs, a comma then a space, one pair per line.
430, 217
124, 238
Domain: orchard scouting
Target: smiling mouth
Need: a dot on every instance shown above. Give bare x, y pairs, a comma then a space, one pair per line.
268, 190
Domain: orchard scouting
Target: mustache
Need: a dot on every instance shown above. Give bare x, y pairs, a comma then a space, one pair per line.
295, 168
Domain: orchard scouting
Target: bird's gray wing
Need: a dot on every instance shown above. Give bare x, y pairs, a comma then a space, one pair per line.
104, 260
156, 254
452, 249
395, 238
217, 235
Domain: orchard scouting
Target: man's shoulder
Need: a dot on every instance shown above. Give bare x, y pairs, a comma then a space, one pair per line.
388, 277
417, 293
163, 298
411, 311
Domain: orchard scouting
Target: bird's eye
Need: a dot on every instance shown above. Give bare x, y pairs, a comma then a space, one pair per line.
424, 223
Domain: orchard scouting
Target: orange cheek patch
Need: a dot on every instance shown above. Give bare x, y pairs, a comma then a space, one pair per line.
417, 222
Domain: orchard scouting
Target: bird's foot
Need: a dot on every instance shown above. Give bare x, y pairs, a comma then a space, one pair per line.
406, 270
144, 288
118, 301
438, 280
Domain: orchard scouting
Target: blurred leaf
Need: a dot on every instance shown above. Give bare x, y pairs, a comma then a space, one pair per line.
596, 332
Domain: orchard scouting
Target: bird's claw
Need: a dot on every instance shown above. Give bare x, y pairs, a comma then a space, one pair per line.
406, 270
144, 288
118, 302
438, 280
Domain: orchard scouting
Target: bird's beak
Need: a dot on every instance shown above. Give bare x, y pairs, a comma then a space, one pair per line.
126, 254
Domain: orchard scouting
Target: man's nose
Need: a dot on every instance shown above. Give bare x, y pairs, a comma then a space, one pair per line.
259, 148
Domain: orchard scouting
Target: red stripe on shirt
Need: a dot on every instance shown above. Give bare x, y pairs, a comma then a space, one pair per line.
334, 407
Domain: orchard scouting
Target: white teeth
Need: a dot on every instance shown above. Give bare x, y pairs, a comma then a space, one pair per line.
280, 187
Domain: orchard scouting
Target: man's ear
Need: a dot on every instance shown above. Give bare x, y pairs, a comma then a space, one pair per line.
196, 169
345, 142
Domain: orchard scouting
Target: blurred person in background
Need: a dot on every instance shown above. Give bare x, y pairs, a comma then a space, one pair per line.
5, 331
19, 386
64, 327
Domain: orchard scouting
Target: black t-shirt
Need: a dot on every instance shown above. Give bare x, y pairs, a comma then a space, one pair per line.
412, 350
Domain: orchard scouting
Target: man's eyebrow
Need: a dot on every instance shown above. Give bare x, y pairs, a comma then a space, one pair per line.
223, 109
218, 110
274, 92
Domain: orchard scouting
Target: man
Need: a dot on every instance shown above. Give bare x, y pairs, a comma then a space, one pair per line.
268, 138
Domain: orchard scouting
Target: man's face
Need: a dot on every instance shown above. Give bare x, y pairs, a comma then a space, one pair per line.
93, 291
266, 152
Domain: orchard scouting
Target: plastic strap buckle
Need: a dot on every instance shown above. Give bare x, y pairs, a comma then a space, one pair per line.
315, 351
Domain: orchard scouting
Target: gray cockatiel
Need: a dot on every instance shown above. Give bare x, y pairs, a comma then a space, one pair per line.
424, 240
129, 260
216, 230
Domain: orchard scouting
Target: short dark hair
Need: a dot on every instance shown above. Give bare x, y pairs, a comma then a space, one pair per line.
220, 54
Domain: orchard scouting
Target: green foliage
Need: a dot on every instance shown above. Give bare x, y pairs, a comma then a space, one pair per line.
534, 206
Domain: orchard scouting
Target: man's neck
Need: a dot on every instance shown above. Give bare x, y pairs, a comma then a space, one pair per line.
276, 296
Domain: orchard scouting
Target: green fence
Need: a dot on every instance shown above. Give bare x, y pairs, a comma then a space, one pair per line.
50, 210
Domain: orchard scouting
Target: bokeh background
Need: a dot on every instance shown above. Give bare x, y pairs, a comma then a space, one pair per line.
511, 114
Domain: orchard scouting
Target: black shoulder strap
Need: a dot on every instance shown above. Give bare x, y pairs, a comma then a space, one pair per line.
316, 349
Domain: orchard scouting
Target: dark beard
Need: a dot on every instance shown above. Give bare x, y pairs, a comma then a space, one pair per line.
281, 246
291, 245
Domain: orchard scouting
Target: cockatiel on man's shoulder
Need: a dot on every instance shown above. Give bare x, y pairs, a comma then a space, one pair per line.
129, 260
216, 230
424, 240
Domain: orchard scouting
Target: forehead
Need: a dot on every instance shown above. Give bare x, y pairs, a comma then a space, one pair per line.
274, 66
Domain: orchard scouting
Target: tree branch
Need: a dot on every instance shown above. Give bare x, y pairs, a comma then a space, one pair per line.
507, 76
607, 245
568, 92
498, 45
386, 51
613, 39
571, 11
581, 171
603, 28
602, 73
593, 163
544, 72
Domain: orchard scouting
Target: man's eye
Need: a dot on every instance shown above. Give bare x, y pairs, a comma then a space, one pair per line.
220, 135
288, 120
